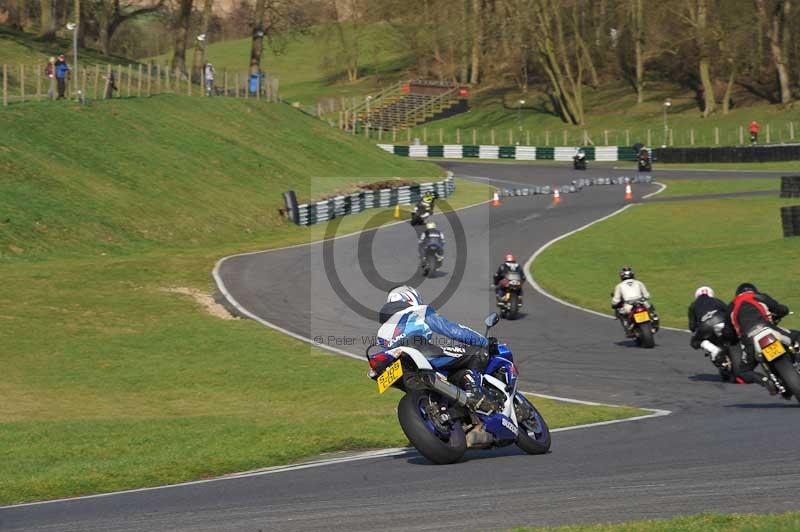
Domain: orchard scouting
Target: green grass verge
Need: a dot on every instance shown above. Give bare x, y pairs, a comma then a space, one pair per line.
787, 166
674, 248
788, 522
697, 187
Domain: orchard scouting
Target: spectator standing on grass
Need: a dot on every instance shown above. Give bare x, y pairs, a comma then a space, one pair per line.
754, 129
209, 75
111, 85
50, 72
62, 72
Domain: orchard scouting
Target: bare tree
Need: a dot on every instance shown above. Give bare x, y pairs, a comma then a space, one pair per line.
774, 15
111, 14
477, 38
257, 45
696, 17
17, 10
638, 32
47, 20
200, 47
560, 58
182, 23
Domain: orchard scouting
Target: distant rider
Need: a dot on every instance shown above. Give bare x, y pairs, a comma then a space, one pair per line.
431, 236
406, 321
750, 310
705, 313
426, 203
510, 265
627, 292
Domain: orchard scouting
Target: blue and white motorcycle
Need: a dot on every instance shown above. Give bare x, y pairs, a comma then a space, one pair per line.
434, 415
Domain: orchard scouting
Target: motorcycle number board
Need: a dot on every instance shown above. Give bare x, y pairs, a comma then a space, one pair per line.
773, 351
390, 376
641, 317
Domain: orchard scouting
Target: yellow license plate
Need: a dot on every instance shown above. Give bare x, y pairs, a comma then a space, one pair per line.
773, 351
390, 376
641, 317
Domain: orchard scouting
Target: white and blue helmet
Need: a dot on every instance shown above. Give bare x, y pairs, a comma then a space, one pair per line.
404, 293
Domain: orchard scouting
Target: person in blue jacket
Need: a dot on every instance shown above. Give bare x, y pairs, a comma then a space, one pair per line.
62, 71
406, 321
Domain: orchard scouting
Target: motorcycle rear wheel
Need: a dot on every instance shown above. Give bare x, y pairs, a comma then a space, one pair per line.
513, 306
786, 371
436, 447
645, 336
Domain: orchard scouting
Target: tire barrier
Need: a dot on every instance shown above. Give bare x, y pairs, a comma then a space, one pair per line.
790, 219
323, 211
732, 154
520, 153
575, 186
790, 186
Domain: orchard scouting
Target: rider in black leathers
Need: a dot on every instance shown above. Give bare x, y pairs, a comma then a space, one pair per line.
431, 235
510, 265
706, 311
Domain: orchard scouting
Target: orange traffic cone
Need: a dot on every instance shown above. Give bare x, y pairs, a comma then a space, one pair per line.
628, 192
556, 196
495, 199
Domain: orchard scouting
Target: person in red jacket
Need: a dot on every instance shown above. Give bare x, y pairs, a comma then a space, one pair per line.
754, 129
751, 310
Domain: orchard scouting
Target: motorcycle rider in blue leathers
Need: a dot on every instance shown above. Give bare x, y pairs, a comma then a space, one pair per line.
406, 321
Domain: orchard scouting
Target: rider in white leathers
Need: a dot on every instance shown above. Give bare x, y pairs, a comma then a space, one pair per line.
627, 292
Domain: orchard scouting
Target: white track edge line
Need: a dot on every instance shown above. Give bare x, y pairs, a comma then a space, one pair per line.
536, 286
367, 455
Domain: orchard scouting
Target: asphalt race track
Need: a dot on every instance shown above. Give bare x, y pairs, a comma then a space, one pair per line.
724, 447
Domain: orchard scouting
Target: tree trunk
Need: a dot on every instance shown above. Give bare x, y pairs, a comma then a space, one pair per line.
477, 30
182, 37
709, 102
200, 46
47, 27
79, 19
638, 37
776, 24
464, 68
726, 99
257, 46
16, 10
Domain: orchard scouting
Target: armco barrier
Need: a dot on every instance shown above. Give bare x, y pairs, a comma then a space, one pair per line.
322, 211
522, 153
734, 154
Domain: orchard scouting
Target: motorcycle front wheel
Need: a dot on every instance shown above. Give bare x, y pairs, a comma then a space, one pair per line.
424, 434
534, 434
786, 371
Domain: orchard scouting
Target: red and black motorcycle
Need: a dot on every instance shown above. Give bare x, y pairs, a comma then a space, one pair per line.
641, 325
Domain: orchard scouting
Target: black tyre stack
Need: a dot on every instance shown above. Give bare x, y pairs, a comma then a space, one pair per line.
790, 216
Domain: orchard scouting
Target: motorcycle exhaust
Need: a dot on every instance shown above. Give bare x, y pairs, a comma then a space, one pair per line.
710, 348
444, 388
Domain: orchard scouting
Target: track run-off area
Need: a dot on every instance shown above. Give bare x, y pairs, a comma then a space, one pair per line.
723, 448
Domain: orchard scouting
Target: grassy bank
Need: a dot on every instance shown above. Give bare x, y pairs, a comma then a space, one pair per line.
117, 176
788, 522
674, 248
